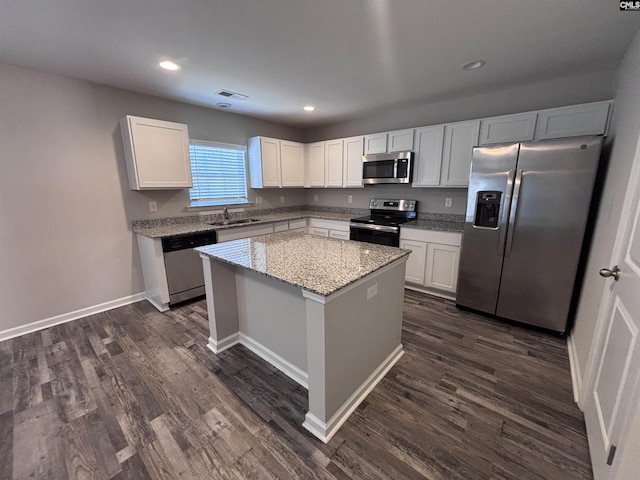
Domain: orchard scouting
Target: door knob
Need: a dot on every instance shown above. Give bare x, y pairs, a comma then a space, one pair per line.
614, 272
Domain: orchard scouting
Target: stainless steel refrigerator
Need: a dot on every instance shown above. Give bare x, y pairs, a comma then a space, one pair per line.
526, 216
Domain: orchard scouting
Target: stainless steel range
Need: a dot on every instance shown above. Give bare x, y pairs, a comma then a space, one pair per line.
382, 225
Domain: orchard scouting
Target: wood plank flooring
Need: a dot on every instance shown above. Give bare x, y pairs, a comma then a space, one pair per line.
135, 394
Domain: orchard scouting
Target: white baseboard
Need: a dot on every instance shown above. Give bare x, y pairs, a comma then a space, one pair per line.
289, 369
67, 317
576, 377
296, 374
217, 346
433, 293
325, 431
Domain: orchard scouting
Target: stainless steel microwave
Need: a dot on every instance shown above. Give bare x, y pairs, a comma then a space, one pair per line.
387, 168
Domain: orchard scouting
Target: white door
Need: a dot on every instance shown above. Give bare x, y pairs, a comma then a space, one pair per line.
613, 390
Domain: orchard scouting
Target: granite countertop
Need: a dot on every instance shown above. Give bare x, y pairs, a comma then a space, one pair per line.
318, 264
168, 227
454, 227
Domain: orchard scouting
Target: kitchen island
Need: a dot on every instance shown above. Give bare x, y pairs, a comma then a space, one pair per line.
326, 312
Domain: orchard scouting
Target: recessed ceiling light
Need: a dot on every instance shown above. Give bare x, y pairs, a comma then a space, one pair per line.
473, 65
169, 65
223, 105
309, 108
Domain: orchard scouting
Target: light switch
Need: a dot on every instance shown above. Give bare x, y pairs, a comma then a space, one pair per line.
258, 200
153, 207
350, 199
281, 198
448, 202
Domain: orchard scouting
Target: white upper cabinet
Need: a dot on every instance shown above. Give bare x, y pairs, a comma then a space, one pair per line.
291, 164
315, 165
275, 163
353, 161
334, 163
157, 153
508, 128
396, 141
459, 140
428, 156
400, 140
375, 143
586, 119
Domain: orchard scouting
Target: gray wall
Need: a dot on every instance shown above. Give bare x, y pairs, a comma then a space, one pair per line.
503, 100
429, 199
65, 206
625, 133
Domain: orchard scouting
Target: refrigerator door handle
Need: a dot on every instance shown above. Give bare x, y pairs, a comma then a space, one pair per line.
505, 212
513, 213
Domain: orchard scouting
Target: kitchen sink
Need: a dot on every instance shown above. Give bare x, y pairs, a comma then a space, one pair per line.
239, 221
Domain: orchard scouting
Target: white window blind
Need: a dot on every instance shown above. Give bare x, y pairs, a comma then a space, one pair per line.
219, 173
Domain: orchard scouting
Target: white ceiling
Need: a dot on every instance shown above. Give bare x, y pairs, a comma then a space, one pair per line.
346, 57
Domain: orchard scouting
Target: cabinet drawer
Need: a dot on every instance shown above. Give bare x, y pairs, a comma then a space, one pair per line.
297, 223
244, 232
431, 236
329, 224
281, 226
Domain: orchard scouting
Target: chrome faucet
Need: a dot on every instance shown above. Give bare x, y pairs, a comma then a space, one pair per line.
225, 212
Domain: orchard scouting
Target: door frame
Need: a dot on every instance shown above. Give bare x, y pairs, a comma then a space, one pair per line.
597, 343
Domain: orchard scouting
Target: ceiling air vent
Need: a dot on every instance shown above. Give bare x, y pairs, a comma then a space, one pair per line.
234, 95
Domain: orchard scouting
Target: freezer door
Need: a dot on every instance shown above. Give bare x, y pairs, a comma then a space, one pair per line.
490, 185
550, 205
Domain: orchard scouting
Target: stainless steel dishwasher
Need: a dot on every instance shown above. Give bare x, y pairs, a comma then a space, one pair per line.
184, 266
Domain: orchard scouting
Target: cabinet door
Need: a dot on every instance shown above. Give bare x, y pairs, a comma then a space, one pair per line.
416, 261
270, 161
400, 141
442, 267
157, 153
292, 164
315, 164
334, 167
352, 162
375, 143
428, 158
588, 119
459, 140
509, 128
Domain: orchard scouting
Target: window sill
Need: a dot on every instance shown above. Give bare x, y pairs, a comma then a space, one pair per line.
217, 205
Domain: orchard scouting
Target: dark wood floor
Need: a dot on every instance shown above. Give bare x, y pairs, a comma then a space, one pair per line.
135, 394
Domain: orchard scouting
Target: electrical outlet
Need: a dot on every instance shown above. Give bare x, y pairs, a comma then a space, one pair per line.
350, 199
153, 207
372, 291
281, 198
315, 198
258, 200
448, 202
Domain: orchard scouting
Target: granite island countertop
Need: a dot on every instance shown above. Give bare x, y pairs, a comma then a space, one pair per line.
168, 227
318, 264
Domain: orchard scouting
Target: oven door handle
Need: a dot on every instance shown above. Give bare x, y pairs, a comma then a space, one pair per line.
379, 228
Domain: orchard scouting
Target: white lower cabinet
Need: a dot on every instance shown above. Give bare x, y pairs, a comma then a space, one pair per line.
417, 260
442, 267
329, 228
244, 232
433, 263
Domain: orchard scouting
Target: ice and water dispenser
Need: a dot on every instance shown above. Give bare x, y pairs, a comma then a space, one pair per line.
487, 209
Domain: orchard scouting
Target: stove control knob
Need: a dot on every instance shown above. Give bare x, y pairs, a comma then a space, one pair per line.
374, 204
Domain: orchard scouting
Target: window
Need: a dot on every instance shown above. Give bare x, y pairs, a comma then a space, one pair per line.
219, 173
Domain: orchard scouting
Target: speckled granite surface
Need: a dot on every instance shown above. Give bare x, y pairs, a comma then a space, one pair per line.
442, 226
319, 264
167, 227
